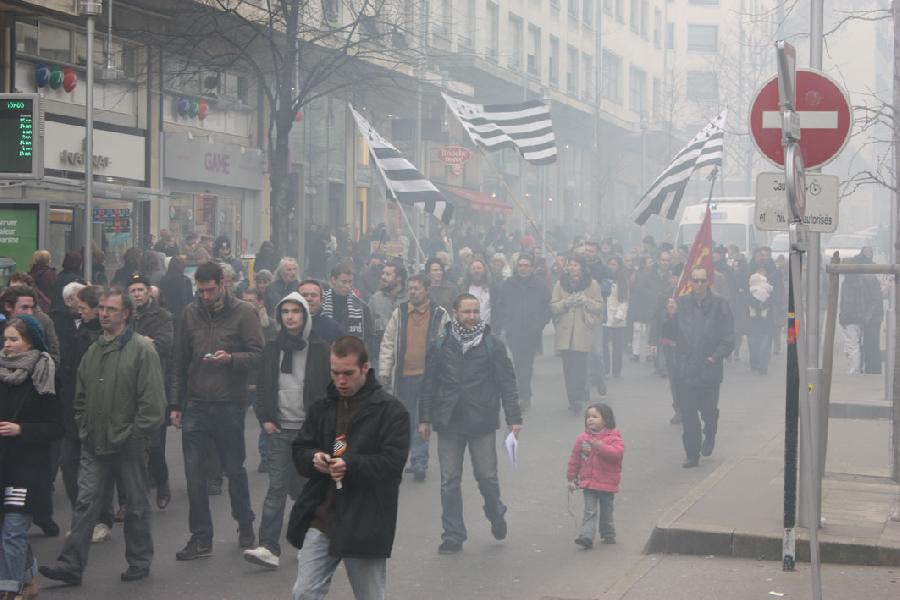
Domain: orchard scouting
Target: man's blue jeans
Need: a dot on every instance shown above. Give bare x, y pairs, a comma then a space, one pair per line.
408, 390
483, 452
316, 568
283, 480
17, 565
220, 425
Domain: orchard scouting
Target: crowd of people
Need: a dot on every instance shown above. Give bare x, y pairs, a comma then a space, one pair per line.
351, 363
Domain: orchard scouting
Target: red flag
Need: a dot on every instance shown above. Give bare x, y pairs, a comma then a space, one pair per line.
700, 257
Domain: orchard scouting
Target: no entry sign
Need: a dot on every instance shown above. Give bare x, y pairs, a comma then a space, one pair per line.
825, 119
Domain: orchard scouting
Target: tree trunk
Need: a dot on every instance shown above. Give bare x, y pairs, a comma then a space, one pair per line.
895, 10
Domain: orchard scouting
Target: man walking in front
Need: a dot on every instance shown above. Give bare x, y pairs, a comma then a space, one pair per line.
219, 344
119, 407
352, 448
701, 327
294, 374
467, 377
411, 331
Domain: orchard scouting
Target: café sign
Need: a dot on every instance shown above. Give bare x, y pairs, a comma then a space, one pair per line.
454, 157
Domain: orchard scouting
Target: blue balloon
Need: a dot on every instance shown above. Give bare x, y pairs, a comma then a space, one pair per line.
42, 75
184, 105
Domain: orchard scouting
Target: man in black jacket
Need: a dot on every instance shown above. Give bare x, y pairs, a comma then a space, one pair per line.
522, 312
294, 374
702, 328
467, 377
155, 323
352, 448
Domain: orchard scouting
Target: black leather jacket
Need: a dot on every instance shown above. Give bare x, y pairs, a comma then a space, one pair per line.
700, 331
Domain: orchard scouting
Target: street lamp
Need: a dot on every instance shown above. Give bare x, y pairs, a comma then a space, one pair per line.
90, 9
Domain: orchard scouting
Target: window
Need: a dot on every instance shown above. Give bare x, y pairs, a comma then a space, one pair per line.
26, 38
657, 28
645, 10
587, 12
704, 2
573, 9
702, 38
54, 43
612, 77
637, 90
515, 36
670, 36
493, 17
330, 10
635, 16
447, 17
554, 61
588, 79
572, 71
702, 86
534, 50
656, 109
468, 29
608, 7
620, 11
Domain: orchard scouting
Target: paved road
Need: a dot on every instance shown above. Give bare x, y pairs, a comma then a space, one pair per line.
537, 560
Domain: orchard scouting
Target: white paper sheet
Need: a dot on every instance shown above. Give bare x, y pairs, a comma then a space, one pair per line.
512, 448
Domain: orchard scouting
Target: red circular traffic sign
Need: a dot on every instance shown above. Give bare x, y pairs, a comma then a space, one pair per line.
825, 119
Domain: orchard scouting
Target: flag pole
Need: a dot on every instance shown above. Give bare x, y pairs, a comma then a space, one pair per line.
712, 183
412, 232
544, 243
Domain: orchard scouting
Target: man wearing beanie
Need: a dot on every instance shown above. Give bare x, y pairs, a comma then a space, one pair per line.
294, 374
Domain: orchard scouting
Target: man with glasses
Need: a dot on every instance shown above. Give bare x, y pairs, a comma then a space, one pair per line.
219, 344
119, 406
702, 328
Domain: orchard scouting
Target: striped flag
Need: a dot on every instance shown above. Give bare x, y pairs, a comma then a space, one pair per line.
403, 181
664, 196
526, 126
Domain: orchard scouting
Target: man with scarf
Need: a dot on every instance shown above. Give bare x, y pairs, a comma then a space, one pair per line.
294, 374
351, 313
467, 377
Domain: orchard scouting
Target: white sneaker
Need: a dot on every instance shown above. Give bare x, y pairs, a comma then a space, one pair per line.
102, 532
261, 556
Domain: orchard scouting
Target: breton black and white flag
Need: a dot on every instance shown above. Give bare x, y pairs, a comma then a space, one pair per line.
403, 181
526, 126
664, 196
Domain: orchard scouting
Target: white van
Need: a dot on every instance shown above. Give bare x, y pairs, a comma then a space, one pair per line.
732, 223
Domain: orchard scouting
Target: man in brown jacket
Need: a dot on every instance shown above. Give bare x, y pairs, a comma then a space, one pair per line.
219, 344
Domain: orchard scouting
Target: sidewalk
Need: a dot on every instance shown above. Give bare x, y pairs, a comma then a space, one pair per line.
737, 510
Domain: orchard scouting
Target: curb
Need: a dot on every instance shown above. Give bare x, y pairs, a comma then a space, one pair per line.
669, 538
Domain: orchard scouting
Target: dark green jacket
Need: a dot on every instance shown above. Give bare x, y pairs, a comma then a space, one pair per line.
119, 393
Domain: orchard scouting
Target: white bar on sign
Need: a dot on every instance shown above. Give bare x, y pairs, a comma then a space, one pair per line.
809, 119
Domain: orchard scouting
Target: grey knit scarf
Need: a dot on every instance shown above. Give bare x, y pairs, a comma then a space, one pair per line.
15, 369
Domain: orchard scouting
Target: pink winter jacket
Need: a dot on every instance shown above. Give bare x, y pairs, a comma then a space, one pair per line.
597, 468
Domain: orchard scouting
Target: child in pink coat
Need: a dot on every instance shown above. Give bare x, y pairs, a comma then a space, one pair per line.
595, 466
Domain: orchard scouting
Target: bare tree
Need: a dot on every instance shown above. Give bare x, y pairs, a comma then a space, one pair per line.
297, 51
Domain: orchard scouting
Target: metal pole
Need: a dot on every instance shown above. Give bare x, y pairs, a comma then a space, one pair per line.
91, 8
791, 420
895, 241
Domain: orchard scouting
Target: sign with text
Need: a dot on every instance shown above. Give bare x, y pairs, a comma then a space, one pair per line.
772, 212
454, 157
19, 233
20, 137
198, 160
114, 220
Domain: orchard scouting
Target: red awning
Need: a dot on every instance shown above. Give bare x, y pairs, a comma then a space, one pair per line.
478, 201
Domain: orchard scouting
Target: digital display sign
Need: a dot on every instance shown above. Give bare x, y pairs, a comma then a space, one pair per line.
21, 150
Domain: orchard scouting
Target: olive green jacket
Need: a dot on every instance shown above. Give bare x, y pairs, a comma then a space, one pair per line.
119, 393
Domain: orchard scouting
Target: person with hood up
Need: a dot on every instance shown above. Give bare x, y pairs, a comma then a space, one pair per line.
222, 253
294, 374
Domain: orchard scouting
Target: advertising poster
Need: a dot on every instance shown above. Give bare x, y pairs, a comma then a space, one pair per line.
19, 234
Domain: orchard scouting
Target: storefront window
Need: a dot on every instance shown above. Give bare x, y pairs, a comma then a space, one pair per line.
207, 215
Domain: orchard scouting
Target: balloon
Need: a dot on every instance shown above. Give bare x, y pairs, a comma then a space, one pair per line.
183, 105
202, 110
42, 75
70, 79
299, 116
193, 109
56, 77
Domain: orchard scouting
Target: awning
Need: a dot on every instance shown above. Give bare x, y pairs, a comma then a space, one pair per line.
478, 201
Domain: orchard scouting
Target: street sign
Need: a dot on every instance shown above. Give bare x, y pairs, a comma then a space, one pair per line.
824, 114
21, 137
772, 213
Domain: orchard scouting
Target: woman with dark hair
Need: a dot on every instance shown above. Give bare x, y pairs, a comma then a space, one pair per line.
577, 307
44, 278
30, 419
614, 330
132, 258
441, 292
266, 259
176, 289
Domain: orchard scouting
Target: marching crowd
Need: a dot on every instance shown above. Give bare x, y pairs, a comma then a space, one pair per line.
349, 374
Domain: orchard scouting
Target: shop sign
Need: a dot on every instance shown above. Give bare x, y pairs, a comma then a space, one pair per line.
76, 159
64, 151
198, 160
19, 234
454, 157
114, 220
